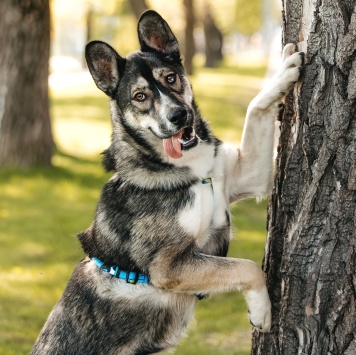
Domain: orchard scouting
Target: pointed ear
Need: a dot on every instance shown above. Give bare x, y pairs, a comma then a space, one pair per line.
105, 66
154, 34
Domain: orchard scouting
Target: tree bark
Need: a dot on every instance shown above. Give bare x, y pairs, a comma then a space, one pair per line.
310, 258
138, 7
25, 129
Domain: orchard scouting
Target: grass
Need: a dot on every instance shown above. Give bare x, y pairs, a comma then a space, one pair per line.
42, 209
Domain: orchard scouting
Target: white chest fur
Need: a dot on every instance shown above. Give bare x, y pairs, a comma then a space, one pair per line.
210, 202
206, 211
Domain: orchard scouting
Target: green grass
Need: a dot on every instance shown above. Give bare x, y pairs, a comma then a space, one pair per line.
42, 209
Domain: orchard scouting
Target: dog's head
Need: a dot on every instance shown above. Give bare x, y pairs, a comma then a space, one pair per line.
151, 95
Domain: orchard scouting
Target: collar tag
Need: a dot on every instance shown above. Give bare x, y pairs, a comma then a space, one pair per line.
208, 180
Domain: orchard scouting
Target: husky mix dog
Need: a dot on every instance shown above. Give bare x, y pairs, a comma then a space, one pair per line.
161, 231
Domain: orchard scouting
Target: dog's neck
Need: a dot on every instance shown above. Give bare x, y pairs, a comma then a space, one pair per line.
148, 172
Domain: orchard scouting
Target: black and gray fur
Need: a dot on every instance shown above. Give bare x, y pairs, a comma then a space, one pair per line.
130, 226
154, 215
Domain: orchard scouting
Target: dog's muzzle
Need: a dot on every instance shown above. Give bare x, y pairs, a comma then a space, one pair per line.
178, 116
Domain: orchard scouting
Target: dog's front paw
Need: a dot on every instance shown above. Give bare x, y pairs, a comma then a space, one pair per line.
259, 309
282, 82
288, 74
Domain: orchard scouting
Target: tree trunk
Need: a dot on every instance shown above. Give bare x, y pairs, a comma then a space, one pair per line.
213, 41
89, 17
189, 49
310, 258
25, 129
138, 7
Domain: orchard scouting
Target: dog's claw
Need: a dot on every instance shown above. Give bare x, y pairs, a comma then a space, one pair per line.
302, 54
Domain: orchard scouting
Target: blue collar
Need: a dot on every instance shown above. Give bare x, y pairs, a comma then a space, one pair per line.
130, 277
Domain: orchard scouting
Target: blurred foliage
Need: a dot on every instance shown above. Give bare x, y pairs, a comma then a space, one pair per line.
248, 16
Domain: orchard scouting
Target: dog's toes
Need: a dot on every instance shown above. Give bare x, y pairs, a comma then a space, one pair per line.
256, 327
288, 50
295, 60
259, 309
262, 324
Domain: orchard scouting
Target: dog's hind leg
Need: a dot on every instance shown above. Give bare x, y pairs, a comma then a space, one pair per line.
250, 167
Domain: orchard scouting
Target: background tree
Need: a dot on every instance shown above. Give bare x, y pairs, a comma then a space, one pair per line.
310, 257
213, 40
138, 7
25, 129
189, 44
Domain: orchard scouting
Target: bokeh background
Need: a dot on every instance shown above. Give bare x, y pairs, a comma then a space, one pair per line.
42, 208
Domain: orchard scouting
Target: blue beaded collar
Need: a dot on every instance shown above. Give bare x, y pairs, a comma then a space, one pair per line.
130, 277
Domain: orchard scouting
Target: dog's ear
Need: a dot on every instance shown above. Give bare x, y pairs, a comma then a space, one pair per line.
105, 65
154, 34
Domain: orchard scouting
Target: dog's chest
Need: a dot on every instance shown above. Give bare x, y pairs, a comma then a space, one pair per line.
207, 210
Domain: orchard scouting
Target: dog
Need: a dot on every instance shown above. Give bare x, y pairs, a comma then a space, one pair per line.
161, 231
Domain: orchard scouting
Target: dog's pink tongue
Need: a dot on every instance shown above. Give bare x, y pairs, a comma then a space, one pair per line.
172, 146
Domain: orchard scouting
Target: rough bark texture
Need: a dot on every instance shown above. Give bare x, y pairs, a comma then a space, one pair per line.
25, 130
189, 45
310, 258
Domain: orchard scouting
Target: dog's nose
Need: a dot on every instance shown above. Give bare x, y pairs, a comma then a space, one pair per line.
177, 116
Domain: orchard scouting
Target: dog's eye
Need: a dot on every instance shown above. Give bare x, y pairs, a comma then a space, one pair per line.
171, 78
140, 97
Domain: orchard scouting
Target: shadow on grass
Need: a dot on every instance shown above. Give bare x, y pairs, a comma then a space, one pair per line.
43, 208
71, 168
41, 211
88, 108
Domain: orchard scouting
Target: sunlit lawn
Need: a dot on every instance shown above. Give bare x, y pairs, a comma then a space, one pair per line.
41, 210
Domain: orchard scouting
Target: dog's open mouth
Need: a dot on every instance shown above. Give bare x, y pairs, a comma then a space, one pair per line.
183, 140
